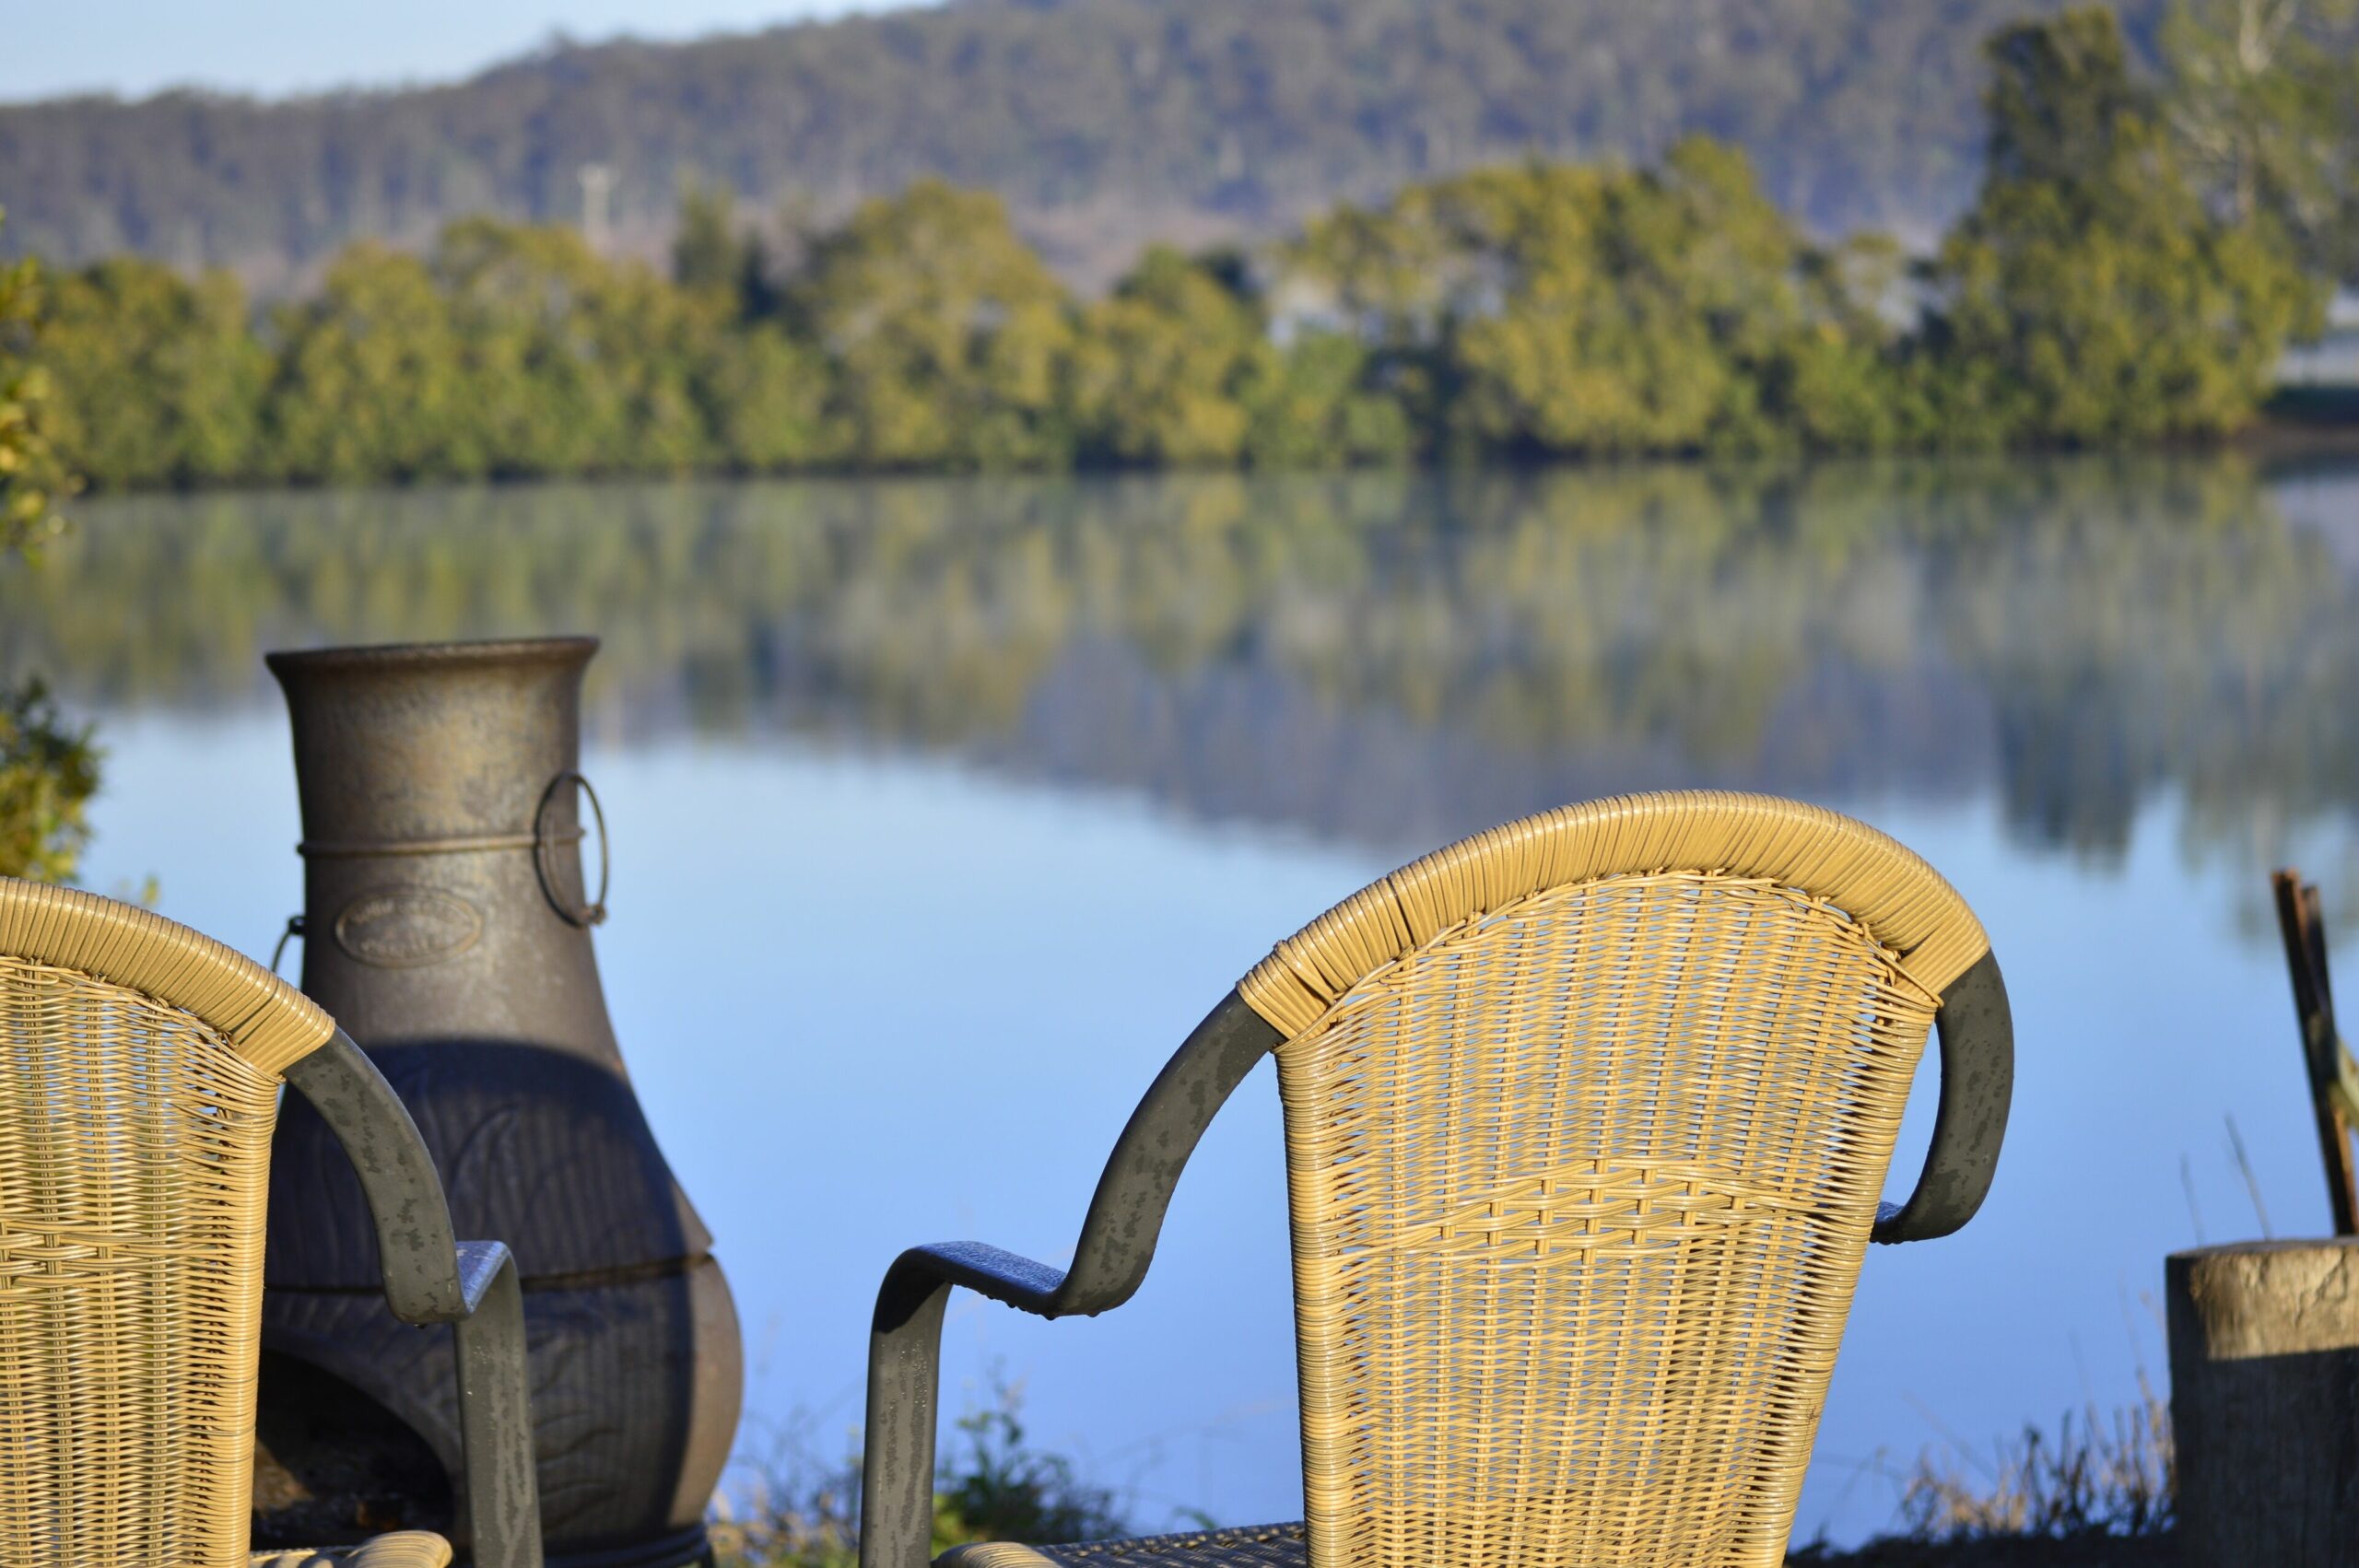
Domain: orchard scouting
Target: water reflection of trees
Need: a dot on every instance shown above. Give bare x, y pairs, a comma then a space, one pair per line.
1381, 656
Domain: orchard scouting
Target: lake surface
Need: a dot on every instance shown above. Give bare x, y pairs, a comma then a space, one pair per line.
943, 810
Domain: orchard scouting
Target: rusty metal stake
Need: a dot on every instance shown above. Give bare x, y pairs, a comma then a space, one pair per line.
2331, 1072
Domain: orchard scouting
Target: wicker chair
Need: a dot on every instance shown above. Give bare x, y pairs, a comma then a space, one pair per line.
1587, 1119
140, 1066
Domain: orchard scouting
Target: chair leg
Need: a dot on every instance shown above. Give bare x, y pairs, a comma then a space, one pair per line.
896, 1464
495, 1426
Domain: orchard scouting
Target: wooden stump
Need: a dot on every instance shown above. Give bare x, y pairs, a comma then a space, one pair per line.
2264, 1342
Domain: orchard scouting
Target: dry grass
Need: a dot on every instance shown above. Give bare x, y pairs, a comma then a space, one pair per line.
2097, 1494
2095, 1476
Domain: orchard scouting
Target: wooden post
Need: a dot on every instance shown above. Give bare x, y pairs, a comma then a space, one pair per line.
2298, 918
2264, 1341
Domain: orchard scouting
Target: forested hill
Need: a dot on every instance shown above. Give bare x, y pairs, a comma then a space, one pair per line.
1104, 122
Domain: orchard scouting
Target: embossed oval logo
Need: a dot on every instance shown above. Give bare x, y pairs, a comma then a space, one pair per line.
407, 928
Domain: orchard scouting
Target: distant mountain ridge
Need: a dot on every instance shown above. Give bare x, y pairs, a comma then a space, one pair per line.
1103, 123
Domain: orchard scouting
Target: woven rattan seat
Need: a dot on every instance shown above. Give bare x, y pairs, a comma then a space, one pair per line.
1264, 1546
1587, 1123
140, 1069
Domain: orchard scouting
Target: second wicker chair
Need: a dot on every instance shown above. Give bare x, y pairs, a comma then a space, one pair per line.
1587, 1120
140, 1068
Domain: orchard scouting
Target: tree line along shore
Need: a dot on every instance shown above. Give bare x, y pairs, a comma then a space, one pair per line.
2141, 249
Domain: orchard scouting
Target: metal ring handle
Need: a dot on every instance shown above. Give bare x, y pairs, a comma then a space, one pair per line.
294, 929
593, 912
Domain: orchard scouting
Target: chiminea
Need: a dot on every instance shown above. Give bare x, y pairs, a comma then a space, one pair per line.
447, 928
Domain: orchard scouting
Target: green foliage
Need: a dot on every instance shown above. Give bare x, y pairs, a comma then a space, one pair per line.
2103, 290
575, 365
2090, 298
33, 476
2264, 105
1161, 366
1314, 404
948, 335
159, 381
794, 1512
707, 256
763, 393
49, 771
369, 383
1002, 1489
712, 256
1556, 310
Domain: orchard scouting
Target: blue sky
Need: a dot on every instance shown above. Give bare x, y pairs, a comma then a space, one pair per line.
135, 47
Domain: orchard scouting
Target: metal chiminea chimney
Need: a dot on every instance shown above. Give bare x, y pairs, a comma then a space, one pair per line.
447, 928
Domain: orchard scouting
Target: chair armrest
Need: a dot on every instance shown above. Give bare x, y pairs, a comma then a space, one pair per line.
987, 1270
1978, 1037
415, 1250
431, 1278
1117, 1243
905, 1381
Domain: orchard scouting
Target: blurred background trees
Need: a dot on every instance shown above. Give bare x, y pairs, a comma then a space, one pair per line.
2144, 241
2093, 296
948, 337
2262, 97
1103, 123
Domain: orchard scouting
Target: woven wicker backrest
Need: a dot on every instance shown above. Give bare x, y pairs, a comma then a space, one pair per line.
1587, 1120
139, 1070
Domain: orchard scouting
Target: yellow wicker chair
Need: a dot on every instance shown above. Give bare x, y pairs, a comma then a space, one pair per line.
1587, 1119
140, 1065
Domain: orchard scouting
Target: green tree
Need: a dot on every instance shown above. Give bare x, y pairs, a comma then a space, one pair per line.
712, 255
1159, 366
575, 364
370, 385
1839, 379
544, 398
2090, 298
49, 769
705, 253
1554, 309
1177, 368
951, 340
764, 396
157, 380
1313, 404
34, 477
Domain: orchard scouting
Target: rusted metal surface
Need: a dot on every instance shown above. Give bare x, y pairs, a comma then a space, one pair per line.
2323, 1055
447, 925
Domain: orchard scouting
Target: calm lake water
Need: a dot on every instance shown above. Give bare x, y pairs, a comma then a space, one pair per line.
943, 810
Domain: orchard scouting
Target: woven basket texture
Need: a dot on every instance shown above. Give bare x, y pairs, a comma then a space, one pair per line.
139, 1072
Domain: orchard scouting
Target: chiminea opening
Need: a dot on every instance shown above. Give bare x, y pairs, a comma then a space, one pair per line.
333, 1467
